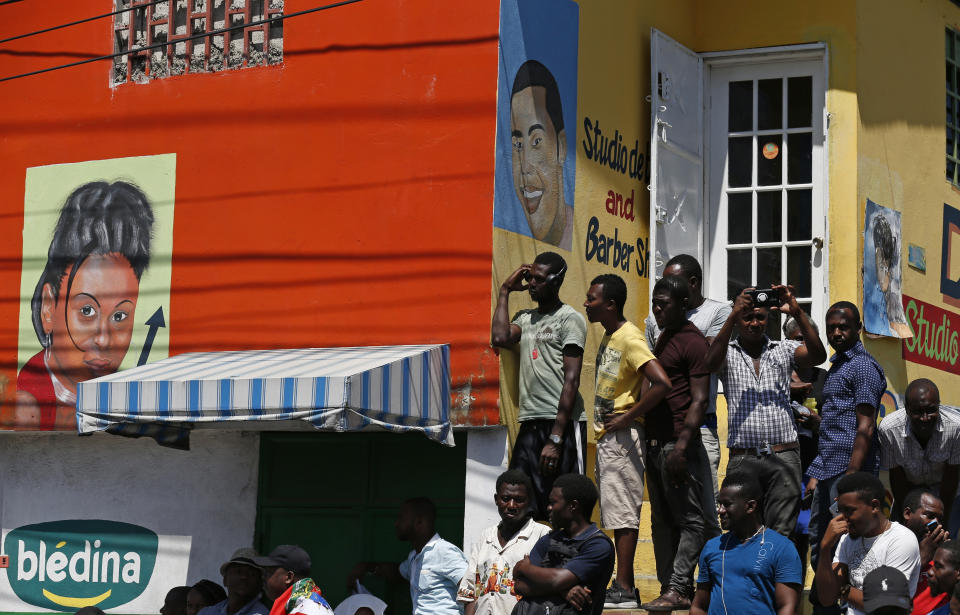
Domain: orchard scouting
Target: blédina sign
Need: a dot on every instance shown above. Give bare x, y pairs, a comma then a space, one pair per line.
67, 565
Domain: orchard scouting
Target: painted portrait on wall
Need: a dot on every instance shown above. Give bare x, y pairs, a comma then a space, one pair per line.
536, 119
97, 239
882, 302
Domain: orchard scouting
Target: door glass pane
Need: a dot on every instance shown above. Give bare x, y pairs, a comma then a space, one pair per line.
768, 216
769, 157
740, 115
740, 153
769, 104
950, 166
799, 102
739, 264
740, 217
799, 214
768, 267
798, 270
950, 110
800, 153
950, 141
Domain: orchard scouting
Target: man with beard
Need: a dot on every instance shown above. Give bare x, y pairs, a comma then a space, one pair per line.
243, 580
864, 540
923, 515
434, 567
488, 586
944, 574
568, 568
751, 568
550, 338
921, 445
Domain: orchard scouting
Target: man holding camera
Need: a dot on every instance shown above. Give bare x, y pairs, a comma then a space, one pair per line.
755, 372
550, 338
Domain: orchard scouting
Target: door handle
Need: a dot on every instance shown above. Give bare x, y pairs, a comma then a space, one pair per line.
818, 243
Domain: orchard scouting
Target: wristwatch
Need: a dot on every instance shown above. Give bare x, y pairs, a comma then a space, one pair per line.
556, 439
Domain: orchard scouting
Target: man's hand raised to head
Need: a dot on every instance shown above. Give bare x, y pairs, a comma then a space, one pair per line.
518, 279
835, 529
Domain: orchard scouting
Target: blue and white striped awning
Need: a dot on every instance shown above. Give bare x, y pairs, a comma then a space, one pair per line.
398, 388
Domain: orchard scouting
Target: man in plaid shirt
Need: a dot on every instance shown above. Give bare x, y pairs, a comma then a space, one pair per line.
755, 372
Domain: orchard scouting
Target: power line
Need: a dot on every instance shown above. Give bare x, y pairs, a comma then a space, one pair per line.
9, 2
179, 40
73, 23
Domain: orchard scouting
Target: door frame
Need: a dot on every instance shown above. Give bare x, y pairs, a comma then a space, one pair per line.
808, 52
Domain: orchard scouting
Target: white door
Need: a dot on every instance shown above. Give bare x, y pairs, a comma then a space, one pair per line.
676, 151
766, 181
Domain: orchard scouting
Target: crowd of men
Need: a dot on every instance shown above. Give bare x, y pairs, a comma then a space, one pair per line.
799, 437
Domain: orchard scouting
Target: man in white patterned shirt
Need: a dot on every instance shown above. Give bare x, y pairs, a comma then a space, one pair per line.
755, 372
921, 445
487, 586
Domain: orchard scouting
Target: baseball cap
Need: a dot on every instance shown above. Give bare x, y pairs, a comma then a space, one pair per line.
290, 557
886, 586
245, 557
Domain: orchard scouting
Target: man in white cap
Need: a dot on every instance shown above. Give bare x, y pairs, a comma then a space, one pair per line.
243, 579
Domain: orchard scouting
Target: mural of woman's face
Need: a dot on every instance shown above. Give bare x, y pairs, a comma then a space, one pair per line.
90, 330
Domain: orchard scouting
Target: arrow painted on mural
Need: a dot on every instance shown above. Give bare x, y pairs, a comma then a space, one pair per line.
154, 322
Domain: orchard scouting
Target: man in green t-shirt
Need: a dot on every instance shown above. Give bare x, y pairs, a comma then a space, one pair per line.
550, 340
624, 363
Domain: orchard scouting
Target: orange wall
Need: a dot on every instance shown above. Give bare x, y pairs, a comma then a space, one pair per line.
342, 198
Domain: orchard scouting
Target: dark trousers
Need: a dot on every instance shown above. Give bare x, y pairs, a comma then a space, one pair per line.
683, 516
531, 439
779, 475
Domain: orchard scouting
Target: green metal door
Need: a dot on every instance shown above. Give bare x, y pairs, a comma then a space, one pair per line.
337, 496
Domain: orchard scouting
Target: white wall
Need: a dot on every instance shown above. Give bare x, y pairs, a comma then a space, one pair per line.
486, 459
202, 503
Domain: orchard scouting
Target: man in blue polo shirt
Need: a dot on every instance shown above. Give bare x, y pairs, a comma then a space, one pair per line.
751, 568
848, 428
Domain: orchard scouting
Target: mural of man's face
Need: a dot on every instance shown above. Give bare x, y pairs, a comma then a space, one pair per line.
538, 155
90, 330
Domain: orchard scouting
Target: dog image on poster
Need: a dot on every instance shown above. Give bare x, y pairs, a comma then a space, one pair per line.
83, 305
536, 120
882, 301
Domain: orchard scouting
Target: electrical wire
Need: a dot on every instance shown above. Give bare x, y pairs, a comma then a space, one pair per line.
74, 23
9, 2
180, 40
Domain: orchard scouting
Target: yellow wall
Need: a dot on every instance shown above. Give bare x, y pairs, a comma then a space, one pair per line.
900, 157
885, 141
614, 79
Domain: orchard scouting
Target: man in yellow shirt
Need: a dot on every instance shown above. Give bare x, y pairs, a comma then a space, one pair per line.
624, 364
